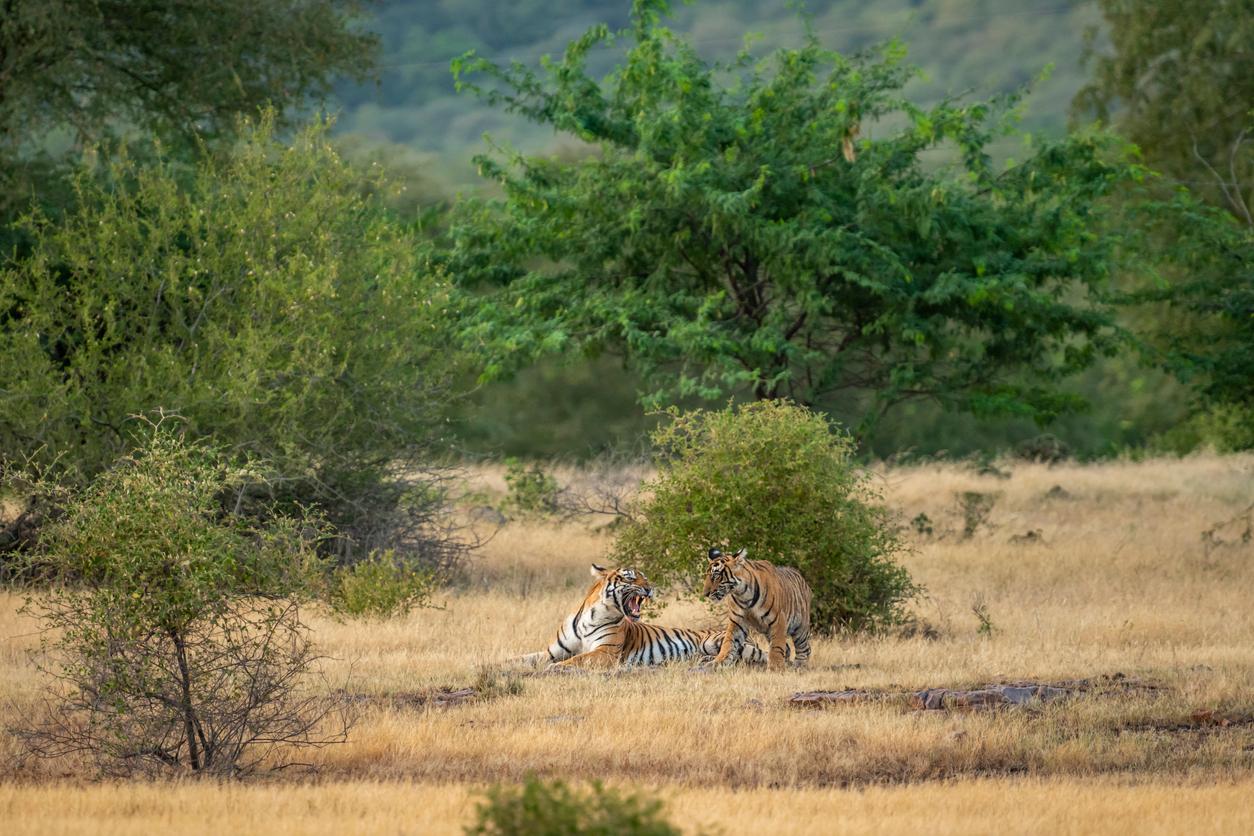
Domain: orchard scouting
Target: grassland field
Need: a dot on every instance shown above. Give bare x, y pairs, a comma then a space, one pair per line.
1144, 569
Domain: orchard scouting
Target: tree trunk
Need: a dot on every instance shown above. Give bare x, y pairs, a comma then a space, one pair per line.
189, 715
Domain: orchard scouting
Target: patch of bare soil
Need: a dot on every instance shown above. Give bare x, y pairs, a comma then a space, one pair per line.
997, 695
1201, 721
434, 698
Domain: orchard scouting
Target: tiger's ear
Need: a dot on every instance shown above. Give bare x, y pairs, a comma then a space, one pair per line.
740, 556
598, 571
715, 554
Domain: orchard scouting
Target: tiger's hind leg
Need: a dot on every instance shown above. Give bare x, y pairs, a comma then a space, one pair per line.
605, 656
801, 642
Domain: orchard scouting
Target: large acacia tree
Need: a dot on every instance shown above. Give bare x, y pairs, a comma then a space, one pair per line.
794, 227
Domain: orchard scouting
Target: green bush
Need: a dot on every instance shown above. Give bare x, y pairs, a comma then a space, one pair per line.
381, 586
266, 298
1224, 428
531, 490
540, 808
775, 478
173, 636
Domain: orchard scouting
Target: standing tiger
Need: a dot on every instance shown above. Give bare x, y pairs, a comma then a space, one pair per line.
606, 631
774, 600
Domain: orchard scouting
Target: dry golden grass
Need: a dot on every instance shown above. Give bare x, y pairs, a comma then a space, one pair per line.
1056, 806
1120, 580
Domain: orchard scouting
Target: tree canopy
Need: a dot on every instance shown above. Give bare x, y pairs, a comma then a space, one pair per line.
960, 44
261, 297
788, 228
1176, 80
1200, 263
74, 72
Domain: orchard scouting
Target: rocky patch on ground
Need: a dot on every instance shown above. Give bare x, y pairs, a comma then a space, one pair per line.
997, 695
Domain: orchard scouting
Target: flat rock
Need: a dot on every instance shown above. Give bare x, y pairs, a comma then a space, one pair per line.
941, 699
487, 514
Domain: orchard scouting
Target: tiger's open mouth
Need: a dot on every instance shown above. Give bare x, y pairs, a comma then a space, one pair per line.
632, 605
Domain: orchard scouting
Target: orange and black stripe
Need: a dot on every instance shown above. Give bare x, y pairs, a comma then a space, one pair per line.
773, 600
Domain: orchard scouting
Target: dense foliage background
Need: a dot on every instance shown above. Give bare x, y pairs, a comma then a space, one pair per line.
415, 121
262, 295
1162, 75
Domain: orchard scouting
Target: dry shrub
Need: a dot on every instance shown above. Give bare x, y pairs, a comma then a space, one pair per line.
173, 635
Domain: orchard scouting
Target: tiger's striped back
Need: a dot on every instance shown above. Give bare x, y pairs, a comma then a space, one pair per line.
605, 630
653, 644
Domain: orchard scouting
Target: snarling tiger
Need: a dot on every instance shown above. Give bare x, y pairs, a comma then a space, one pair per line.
606, 630
774, 600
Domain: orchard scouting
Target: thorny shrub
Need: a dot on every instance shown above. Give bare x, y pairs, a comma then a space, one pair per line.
172, 631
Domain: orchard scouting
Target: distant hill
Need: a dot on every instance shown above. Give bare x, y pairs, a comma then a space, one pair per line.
981, 46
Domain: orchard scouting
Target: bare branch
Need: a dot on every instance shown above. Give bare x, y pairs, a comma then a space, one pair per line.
1231, 191
1236, 180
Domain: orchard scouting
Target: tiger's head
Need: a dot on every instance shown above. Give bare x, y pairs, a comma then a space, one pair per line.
723, 575
622, 589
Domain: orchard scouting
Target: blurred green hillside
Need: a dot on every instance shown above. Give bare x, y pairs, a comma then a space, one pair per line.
980, 46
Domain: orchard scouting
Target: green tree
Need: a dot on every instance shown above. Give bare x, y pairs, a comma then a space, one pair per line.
1203, 260
777, 479
76, 72
173, 632
732, 233
267, 299
1176, 80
